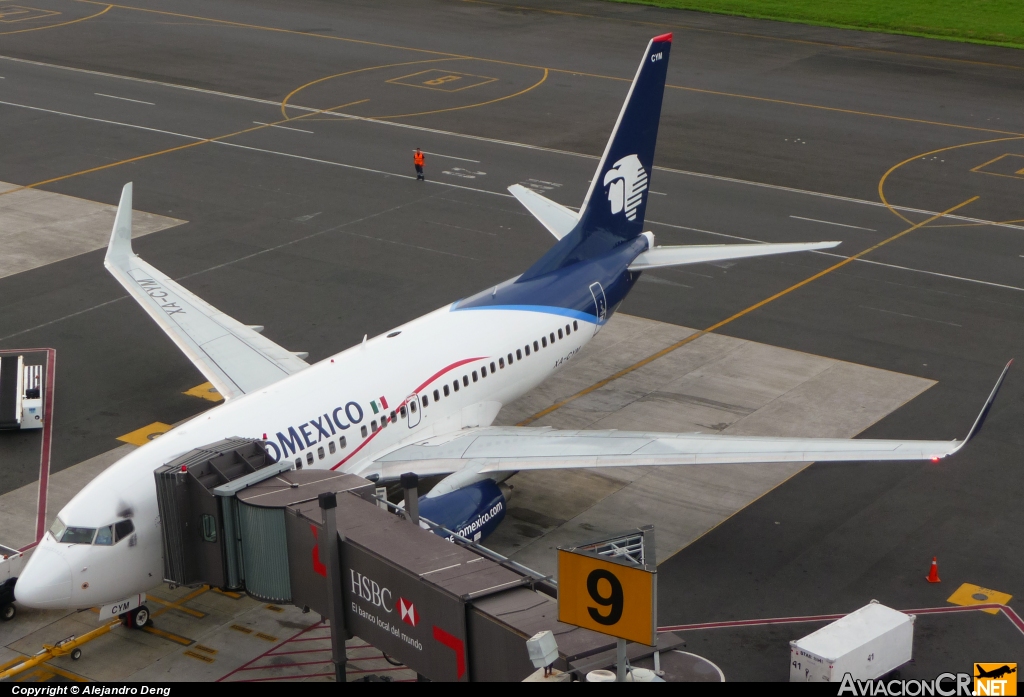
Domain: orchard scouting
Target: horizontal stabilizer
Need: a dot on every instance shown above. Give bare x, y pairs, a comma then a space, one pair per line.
699, 254
558, 219
233, 357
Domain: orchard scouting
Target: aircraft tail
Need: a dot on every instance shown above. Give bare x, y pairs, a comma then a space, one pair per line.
613, 210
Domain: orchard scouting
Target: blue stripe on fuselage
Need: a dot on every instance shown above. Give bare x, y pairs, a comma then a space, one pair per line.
566, 291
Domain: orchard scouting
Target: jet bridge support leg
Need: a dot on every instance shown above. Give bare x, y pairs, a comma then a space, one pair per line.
336, 611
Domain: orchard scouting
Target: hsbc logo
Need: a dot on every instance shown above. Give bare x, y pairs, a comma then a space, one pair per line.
371, 591
626, 182
407, 611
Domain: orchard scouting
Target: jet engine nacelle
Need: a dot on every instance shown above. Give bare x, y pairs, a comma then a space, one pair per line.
473, 511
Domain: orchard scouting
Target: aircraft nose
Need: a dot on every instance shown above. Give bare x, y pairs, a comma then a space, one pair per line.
45, 582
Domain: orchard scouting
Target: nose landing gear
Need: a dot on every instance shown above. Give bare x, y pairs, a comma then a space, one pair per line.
137, 618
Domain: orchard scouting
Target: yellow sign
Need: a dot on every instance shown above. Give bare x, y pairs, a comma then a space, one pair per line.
608, 597
995, 679
970, 594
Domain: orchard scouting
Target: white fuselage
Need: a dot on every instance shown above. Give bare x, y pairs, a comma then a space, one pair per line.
311, 411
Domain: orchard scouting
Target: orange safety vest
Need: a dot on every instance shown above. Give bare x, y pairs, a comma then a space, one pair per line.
417, 158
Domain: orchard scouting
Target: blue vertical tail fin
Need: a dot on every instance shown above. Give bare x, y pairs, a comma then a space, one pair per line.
613, 210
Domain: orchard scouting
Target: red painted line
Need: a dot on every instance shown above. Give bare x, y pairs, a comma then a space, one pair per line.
42, 490
315, 638
289, 653
287, 677
433, 377
1010, 614
292, 638
285, 665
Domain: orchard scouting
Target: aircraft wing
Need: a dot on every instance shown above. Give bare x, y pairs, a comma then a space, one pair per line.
699, 254
235, 358
511, 449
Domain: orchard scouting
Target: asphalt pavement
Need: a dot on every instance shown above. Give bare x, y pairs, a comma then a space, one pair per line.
283, 134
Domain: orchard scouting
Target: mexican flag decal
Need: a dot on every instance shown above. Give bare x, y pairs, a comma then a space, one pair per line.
376, 405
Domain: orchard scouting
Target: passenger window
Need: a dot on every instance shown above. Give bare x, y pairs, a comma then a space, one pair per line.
309, 458
123, 529
465, 381
552, 337
575, 326
447, 391
535, 346
78, 536
298, 463
330, 446
543, 342
456, 385
560, 333
492, 367
209, 528
437, 396
483, 371
105, 536
412, 406
363, 430
519, 355
527, 349
373, 425
383, 421
501, 361
344, 443
393, 417
403, 411
320, 453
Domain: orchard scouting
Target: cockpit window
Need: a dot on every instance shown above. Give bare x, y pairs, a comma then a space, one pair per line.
78, 536
123, 529
57, 529
105, 536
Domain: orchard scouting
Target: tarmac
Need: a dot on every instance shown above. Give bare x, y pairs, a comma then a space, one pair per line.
271, 146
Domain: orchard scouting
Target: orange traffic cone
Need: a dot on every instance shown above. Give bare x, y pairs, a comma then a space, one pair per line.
933, 575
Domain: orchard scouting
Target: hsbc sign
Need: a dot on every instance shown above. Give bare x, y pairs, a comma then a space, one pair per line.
394, 610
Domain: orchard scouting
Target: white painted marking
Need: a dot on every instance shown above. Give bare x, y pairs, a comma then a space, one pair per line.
287, 128
901, 314
829, 222
658, 193
450, 157
424, 129
123, 99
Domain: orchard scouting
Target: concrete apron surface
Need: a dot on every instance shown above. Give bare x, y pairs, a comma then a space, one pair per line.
712, 384
39, 227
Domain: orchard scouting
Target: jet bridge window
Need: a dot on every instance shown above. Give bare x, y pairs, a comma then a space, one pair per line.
105, 536
122, 529
209, 528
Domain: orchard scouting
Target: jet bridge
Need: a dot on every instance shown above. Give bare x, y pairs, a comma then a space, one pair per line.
234, 519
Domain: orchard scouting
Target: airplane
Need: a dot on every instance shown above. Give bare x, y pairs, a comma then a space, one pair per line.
422, 397
995, 672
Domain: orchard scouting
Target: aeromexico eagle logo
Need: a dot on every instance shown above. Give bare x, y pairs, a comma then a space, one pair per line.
626, 182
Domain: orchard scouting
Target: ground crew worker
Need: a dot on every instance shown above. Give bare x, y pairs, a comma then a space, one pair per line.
417, 159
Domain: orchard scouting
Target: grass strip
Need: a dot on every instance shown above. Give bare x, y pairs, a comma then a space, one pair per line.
993, 22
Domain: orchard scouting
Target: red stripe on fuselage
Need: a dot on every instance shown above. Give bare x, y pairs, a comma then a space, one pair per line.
429, 380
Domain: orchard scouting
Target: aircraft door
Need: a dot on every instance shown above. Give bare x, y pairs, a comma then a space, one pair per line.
413, 409
600, 304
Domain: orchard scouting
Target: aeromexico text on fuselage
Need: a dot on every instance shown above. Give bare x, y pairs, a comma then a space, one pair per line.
323, 427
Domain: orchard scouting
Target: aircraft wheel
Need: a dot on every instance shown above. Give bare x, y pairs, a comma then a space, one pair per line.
76, 654
7, 612
139, 617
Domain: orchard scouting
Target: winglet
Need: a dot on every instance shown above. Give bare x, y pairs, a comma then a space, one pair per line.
120, 247
980, 421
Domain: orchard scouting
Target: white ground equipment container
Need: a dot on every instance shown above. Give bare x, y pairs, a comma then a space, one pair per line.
21, 393
867, 643
11, 563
